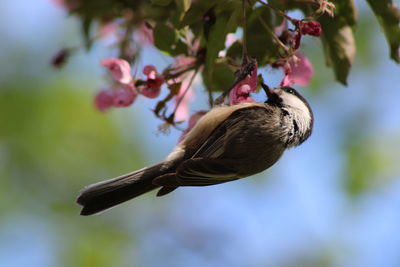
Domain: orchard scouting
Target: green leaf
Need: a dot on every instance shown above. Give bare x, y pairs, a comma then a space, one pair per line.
338, 39
161, 2
220, 78
180, 48
197, 11
235, 50
86, 23
176, 15
165, 37
216, 41
340, 50
388, 15
259, 40
156, 13
347, 9
235, 16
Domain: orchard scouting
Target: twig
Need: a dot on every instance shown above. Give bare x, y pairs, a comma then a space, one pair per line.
173, 75
183, 95
278, 11
277, 40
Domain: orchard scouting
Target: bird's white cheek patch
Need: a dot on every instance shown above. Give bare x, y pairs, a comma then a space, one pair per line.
296, 103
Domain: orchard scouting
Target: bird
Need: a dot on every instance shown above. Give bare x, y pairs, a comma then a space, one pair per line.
226, 144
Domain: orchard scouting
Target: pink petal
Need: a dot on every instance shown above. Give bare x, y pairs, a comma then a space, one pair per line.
286, 81
244, 89
300, 73
148, 69
303, 71
104, 100
150, 92
240, 95
153, 83
241, 92
311, 28
120, 69
124, 96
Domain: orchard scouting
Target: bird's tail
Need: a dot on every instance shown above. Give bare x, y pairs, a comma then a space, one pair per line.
104, 195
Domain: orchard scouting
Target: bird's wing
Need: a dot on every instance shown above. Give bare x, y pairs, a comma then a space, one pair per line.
213, 147
209, 165
204, 171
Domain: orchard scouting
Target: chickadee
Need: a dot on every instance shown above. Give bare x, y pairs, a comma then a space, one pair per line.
226, 144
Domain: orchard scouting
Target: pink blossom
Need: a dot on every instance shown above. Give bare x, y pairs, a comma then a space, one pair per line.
298, 72
241, 92
240, 95
120, 69
192, 122
124, 96
297, 41
149, 70
311, 28
150, 92
118, 96
152, 88
104, 100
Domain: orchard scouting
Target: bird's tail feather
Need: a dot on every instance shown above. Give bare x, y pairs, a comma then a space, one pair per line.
104, 195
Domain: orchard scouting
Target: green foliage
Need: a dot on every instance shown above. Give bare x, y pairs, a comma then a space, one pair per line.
180, 24
161, 2
165, 37
219, 78
338, 39
388, 15
259, 41
196, 12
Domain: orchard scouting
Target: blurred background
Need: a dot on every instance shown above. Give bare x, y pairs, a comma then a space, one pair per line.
334, 201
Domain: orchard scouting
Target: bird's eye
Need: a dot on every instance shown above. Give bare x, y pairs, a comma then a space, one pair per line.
290, 91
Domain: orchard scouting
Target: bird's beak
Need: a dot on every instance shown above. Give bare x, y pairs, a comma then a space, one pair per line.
268, 90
